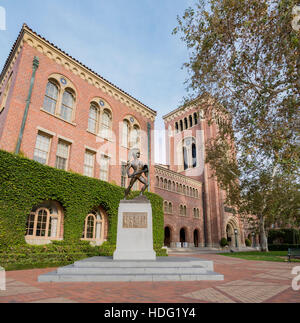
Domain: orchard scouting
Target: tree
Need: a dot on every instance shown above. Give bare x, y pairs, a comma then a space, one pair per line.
246, 55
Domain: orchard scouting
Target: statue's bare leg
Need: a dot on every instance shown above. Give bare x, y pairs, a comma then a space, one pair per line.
145, 182
128, 189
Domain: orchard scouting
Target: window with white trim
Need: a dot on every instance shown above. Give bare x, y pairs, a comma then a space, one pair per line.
62, 155
42, 147
89, 163
104, 167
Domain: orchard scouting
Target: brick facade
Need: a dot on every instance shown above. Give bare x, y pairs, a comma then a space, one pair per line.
187, 132
197, 216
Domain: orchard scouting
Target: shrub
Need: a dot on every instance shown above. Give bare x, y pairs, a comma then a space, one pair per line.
247, 243
283, 247
223, 242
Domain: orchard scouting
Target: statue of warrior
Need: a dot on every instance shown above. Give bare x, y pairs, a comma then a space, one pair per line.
139, 168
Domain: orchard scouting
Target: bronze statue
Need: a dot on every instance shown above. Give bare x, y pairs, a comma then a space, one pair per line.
139, 168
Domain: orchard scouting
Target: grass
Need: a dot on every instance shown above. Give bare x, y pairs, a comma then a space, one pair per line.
278, 256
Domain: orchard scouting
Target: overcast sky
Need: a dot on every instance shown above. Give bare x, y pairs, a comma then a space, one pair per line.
128, 42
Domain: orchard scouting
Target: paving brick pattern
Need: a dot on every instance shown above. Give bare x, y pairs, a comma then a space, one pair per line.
245, 282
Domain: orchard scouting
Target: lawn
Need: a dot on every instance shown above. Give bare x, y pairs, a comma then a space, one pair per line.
279, 256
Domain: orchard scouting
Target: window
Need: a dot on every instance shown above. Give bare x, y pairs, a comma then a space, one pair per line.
44, 222
60, 97
89, 163
51, 97
195, 118
196, 213
130, 133
189, 153
166, 207
125, 133
123, 174
94, 227
181, 125
191, 121
104, 168
66, 109
170, 208
106, 124
41, 150
176, 127
62, 155
135, 137
186, 123
93, 118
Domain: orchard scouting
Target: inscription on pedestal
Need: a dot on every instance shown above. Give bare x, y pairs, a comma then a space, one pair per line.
134, 220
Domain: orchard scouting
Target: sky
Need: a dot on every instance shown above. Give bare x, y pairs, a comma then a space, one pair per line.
128, 42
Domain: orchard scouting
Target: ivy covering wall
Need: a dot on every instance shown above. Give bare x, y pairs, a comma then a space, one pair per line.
25, 183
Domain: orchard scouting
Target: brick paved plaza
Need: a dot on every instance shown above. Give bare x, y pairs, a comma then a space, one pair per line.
245, 282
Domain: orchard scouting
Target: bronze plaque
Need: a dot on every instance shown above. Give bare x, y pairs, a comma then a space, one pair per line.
134, 220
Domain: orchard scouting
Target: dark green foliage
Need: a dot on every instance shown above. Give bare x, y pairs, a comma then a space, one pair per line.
284, 236
223, 242
25, 183
247, 243
283, 247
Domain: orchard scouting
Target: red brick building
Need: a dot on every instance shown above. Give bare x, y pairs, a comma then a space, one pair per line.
76, 119
198, 215
57, 111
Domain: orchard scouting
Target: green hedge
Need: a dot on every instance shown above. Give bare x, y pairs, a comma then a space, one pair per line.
283, 247
287, 236
25, 183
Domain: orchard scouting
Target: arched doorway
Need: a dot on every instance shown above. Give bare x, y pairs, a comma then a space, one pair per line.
182, 237
167, 241
196, 238
232, 234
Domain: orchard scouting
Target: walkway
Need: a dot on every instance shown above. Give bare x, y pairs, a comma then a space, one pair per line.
245, 282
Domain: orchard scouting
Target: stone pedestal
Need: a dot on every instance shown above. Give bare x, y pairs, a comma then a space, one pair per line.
135, 234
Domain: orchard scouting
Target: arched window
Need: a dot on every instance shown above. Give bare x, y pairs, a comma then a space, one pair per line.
186, 123
66, 110
165, 184
189, 153
184, 190
185, 158
106, 124
196, 193
181, 213
157, 181
194, 155
191, 121
125, 134
94, 227
161, 183
184, 211
60, 97
176, 127
94, 116
51, 97
181, 125
195, 118
173, 187
166, 207
169, 185
44, 223
170, 208
135, 137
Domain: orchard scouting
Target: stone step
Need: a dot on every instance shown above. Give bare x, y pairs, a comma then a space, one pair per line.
130, 270
169, 262
55, 277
